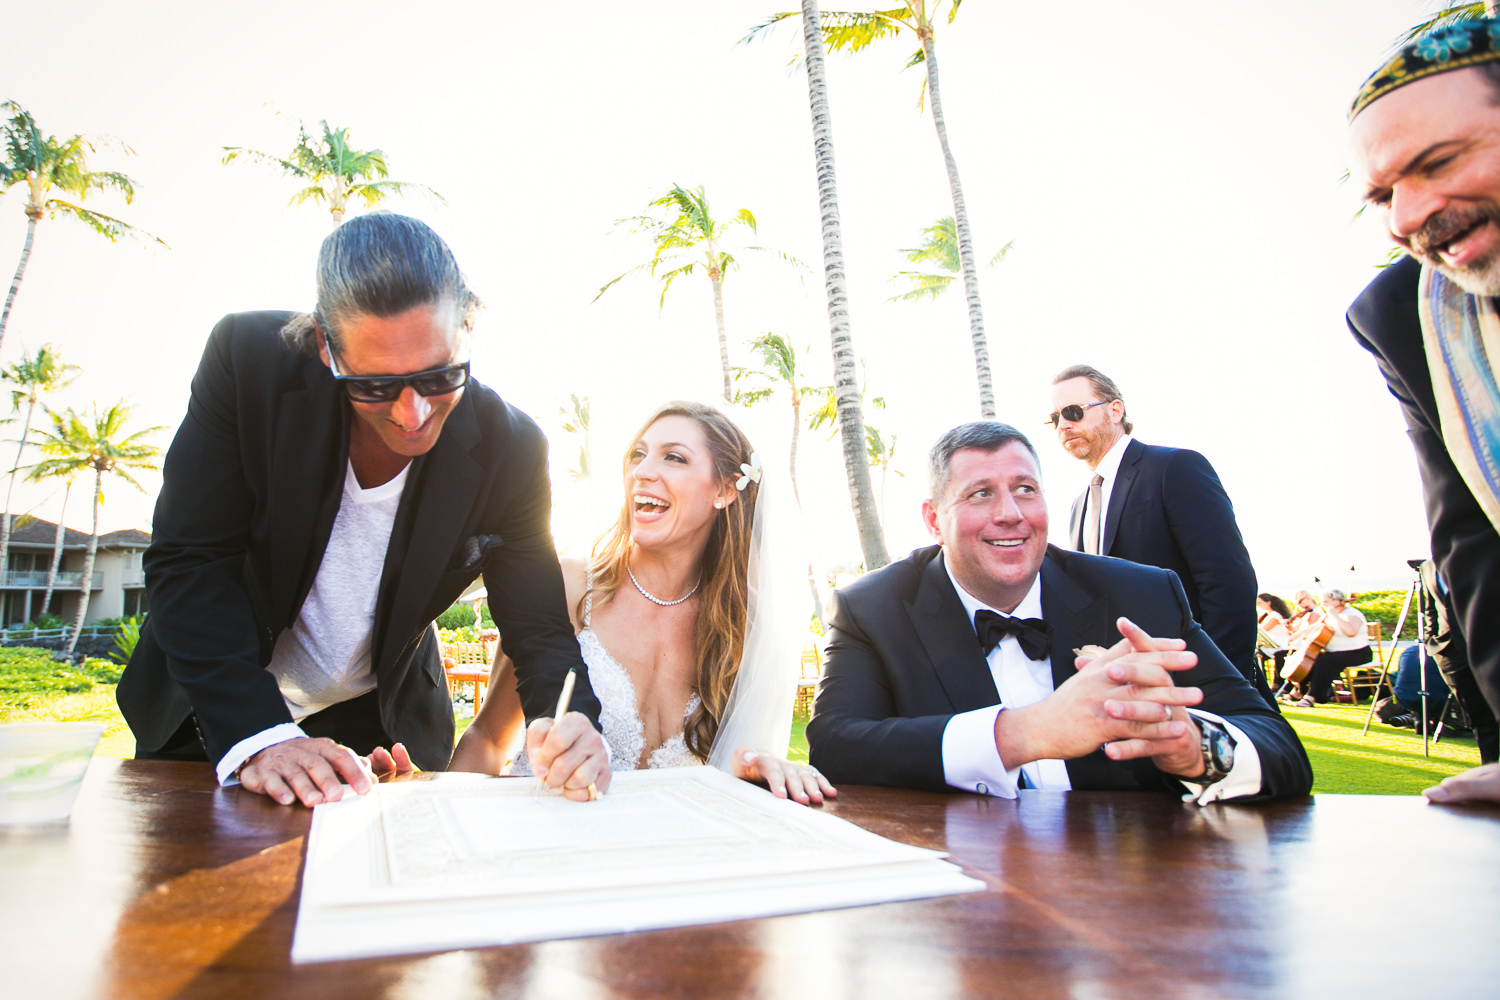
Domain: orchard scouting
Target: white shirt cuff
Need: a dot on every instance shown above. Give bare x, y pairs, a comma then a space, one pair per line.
971, 761
1243, 778
229, 764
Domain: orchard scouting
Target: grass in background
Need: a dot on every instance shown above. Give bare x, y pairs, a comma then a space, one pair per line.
34, 688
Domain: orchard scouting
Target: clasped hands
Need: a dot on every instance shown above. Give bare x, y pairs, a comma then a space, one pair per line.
1122, 699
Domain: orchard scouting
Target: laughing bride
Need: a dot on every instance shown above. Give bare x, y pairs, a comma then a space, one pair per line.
687, 616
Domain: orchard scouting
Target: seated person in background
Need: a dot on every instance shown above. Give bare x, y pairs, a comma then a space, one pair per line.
1411, 677
1271, 616
1349, 647
1306, 613
687, 667
930, 683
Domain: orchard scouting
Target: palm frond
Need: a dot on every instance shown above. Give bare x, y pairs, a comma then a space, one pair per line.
105, 225
924, 286
1453, 13
1000, 254
765, 27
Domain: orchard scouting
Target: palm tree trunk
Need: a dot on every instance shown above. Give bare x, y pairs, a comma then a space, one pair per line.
796, 433
718, 282
88, 568
57, 547
15, 283
10, 490
846, 384
965, 237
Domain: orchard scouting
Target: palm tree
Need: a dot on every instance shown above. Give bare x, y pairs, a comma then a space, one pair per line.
852, 31
939, 249
690, 238
779, 364
882, 451
846, 390
576, 421
76, 444
335, 171
47, 166
33, 376
1456, 11
57, 548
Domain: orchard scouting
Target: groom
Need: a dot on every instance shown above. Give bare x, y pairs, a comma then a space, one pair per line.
931, 683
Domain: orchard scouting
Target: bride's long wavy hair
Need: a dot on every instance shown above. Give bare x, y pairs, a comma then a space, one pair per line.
719, 636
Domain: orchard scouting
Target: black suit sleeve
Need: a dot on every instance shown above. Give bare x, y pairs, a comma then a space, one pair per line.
1203, 525
856, 736
529, 603
1465, 544
201, 613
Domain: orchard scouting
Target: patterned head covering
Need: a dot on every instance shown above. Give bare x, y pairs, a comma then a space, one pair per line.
1452, 46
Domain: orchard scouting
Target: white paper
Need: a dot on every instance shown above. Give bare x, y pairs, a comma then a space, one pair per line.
434, 865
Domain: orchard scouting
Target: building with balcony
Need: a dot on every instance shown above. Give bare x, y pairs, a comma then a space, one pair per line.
117, 586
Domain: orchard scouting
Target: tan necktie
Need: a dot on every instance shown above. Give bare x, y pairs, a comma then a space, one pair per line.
1091, 518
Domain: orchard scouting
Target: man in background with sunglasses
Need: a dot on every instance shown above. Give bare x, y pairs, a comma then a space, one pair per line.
337, 482
1160, 507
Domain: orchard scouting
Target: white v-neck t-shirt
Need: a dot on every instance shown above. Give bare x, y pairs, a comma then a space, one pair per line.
324, 658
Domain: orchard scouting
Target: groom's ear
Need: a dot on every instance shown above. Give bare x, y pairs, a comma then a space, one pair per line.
930, 518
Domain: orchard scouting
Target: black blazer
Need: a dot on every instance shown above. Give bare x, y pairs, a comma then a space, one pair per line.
1168, 509
1385, 321
252, 485
902, 658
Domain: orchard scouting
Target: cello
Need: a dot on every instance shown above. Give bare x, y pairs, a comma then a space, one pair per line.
1301, 653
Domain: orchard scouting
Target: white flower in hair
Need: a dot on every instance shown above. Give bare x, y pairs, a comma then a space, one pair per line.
749, 472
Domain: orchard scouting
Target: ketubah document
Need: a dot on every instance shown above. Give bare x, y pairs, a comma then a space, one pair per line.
453, 863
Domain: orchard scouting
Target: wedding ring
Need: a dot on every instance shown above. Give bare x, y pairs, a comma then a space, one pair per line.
593, 791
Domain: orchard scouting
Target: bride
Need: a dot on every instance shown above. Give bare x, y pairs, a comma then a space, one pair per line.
690, 636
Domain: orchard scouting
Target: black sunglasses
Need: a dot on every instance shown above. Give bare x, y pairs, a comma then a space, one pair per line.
388, 388
1074, 413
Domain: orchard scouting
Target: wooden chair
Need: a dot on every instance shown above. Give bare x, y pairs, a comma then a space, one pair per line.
1365, 678
467, 663
807, 684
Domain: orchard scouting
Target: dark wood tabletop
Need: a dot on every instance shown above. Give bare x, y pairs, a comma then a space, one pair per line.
165, 886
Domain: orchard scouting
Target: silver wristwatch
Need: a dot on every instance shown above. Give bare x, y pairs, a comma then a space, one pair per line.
1218, 752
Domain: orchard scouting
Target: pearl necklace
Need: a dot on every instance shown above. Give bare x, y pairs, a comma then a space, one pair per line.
657, 600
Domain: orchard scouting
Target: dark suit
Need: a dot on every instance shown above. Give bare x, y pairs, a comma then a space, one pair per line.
902, 659
252, 485
1168, 509
1465, 546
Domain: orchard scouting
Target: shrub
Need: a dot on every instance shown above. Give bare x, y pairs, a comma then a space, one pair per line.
458, 616
125, 639
1384, 606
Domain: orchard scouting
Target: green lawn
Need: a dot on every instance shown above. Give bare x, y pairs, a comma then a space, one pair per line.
1385, 762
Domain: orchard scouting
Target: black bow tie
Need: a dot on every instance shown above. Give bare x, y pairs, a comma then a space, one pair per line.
1034, 635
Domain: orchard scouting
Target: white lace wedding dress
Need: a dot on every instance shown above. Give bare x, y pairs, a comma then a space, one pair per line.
618, 719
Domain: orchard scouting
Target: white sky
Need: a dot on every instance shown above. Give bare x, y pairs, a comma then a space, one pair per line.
1168, 169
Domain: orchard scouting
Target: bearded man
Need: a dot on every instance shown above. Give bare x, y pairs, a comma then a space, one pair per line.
1425, 136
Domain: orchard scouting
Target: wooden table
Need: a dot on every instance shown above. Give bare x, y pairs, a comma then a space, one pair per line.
165, 886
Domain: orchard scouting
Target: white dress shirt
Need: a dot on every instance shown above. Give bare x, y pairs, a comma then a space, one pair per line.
971, 761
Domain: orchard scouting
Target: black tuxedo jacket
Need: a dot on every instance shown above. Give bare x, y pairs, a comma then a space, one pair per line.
1167, 508
1385, 321
252, 485
902, 659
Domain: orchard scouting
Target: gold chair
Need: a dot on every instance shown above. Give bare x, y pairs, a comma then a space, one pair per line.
467, 663
807, 684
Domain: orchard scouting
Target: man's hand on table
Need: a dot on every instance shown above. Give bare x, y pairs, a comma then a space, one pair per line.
307, 770
568, 755
1122, 698
1479, 784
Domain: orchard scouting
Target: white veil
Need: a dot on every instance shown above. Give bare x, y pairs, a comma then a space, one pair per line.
759, 712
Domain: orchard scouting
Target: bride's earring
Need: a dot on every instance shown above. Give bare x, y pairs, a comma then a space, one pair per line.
718, 504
